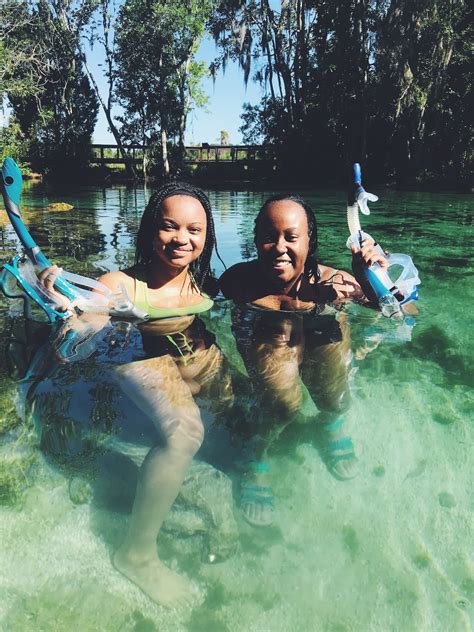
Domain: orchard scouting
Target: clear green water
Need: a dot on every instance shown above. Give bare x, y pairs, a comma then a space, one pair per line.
388, 550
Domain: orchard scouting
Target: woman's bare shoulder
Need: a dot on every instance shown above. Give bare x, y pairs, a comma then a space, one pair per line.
237, 279
333, 275
114, 280
339, 284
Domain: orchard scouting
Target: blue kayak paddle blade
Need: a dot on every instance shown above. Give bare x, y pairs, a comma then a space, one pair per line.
12, 182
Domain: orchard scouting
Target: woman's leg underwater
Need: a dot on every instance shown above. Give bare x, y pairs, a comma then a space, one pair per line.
158, 389
272, 362
325, 372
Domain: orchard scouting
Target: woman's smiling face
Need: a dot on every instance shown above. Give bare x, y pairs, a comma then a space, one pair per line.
282, 242
181, 231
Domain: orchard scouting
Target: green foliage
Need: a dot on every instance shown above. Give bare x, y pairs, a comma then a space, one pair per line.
386, 83
61, 137
21, 56
12, 143
57, 115
224, 137
158, 79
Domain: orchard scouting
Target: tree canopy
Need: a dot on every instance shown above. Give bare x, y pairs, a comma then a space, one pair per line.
362, 80
385, 82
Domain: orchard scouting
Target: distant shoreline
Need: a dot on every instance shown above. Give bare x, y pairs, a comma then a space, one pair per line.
251, 184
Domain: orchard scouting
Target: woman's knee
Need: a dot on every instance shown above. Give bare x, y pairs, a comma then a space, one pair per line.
338, 402
284, 402
185, 434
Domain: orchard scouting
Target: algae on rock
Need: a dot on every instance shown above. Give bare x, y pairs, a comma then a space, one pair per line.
15, 465
8, 415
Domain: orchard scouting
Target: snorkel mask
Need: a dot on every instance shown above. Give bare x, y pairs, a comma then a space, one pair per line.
394, 286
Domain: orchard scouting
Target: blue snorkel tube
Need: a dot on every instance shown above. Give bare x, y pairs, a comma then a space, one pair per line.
97, 299
391, 294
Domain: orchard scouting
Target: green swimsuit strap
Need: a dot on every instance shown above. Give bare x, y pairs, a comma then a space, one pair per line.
141, 294
141, 301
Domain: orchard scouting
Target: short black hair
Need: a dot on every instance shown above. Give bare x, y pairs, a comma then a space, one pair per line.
311, 264
199, 268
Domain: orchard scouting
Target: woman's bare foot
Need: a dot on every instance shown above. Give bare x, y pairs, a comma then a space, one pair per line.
158, 582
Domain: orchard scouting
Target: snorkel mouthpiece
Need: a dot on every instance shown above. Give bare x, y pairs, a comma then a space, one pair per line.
391, 295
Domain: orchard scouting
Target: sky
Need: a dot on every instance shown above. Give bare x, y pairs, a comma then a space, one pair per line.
222, 112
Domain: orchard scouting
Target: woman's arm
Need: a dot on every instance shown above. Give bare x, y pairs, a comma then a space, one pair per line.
340, 285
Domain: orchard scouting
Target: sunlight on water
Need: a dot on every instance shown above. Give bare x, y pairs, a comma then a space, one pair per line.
387, 550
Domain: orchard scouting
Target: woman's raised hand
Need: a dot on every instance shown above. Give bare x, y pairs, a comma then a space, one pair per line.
369, 253
47, 278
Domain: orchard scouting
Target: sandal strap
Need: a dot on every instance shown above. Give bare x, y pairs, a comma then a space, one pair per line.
335, 425
258, 489
348, 456
260, 467
344, 443
257, 494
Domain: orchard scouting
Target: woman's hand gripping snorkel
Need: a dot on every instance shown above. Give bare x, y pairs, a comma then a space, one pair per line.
371, 265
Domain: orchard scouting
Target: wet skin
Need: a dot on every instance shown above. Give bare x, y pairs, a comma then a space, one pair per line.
277, 282
179, 241
181, 233
163, 395
282, 243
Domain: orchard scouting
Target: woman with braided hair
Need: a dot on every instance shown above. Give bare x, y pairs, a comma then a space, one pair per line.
168, 281
290, 343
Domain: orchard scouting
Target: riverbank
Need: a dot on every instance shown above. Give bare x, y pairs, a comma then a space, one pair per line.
275, 181
249, 175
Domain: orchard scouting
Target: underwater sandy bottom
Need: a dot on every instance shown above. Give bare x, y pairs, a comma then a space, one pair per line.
388, 550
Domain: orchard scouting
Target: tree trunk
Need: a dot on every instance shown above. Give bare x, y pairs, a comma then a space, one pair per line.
129, 166
164, 153
184, 74
107, 109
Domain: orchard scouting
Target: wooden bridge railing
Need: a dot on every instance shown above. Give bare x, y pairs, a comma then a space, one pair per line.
205, 153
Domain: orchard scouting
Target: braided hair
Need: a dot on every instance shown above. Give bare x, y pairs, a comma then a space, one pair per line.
311, 264
200, 268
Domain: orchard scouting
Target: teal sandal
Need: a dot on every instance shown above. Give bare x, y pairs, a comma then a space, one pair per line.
256, 501
338, 451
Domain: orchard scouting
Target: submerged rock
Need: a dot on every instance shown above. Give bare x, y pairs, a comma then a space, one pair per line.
80, 490
201, 522
446, 500
201, 519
